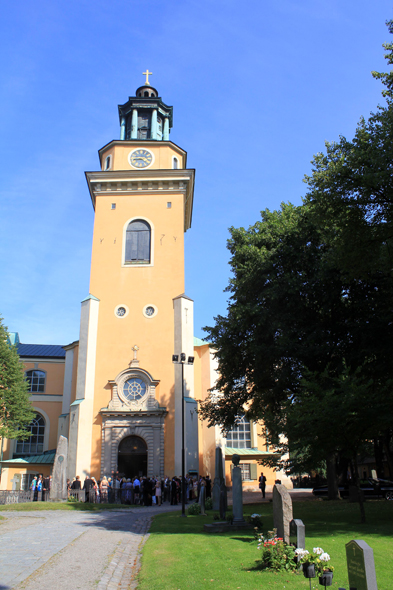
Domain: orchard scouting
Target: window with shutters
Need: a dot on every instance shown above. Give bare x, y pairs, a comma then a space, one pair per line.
138, 242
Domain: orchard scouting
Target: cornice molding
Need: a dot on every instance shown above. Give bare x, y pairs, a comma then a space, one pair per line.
153, 181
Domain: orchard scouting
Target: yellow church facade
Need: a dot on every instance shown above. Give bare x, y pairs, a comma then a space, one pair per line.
115, 393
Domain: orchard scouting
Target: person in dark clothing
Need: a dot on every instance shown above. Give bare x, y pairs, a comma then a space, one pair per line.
76, 485
46, 487
173, 491
262, 484
87, 486
208, 486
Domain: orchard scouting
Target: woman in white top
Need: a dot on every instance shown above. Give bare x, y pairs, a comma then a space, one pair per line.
158, 492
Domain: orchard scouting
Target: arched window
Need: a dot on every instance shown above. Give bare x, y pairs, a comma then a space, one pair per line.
107, 163
175, 163
36, 381
34, 445
240, 435
138, 239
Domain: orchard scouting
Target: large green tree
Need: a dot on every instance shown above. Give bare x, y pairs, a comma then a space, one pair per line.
306, 345
16, 411
296, 337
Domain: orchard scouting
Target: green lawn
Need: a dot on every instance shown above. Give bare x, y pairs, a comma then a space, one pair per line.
179, 555
29, 506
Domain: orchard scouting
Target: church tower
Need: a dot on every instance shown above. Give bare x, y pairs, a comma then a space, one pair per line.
127, 411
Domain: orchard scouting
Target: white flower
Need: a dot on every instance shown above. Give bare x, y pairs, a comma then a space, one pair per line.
318, 550
325, 557
301, 553
255, 515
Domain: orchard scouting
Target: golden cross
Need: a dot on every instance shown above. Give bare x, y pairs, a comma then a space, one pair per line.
147, 73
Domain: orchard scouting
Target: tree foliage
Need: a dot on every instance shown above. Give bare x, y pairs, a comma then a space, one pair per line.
16, 411
307, 341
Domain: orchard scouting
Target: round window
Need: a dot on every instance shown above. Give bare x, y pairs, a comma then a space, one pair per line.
150, 310
121, 310
134, 389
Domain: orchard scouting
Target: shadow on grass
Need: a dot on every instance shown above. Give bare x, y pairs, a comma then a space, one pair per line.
320, 519
243, 539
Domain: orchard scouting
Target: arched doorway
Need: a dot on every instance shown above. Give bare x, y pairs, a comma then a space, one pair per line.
132, 457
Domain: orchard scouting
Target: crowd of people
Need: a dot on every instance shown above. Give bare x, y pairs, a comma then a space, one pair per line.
41, 484
144, 491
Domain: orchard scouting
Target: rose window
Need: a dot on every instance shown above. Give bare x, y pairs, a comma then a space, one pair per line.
134, 389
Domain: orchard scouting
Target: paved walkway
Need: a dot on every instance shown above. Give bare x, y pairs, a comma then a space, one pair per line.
82, 550
63, 549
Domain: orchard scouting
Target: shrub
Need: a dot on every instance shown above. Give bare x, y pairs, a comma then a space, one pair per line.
209, 504
276, 555
194, 509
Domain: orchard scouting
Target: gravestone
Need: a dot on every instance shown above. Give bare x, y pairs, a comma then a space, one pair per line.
237, 491
360, 565
219, 482
297, 532
282, 511
58, 489
202, 497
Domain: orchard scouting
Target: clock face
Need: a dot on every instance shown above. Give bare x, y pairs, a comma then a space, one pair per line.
140, 158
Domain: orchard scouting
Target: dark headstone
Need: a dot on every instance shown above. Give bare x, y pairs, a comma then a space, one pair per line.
222, 505
219, 481
297, 532
237, 491
360, 564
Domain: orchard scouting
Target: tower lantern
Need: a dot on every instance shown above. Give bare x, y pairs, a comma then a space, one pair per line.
145, 116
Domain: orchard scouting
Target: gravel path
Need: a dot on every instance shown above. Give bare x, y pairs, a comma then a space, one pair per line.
82, 550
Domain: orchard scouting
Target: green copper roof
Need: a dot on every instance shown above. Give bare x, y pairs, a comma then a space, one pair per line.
13, 338
199, 342
46, 458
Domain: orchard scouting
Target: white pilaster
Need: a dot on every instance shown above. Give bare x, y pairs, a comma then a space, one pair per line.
81, 424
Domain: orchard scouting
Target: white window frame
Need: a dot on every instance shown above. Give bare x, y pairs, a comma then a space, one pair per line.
109, 160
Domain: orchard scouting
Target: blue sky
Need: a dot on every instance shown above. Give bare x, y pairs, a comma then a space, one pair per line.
257, 87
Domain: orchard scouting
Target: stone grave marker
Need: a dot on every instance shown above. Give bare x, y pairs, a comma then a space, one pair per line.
297, 532
237, 491
202, 497
282, 511
58, 489
219, 482
360, 565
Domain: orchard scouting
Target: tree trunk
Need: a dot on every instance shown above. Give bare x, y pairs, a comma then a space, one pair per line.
388, 452
333, 493
360, 495
378, 453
